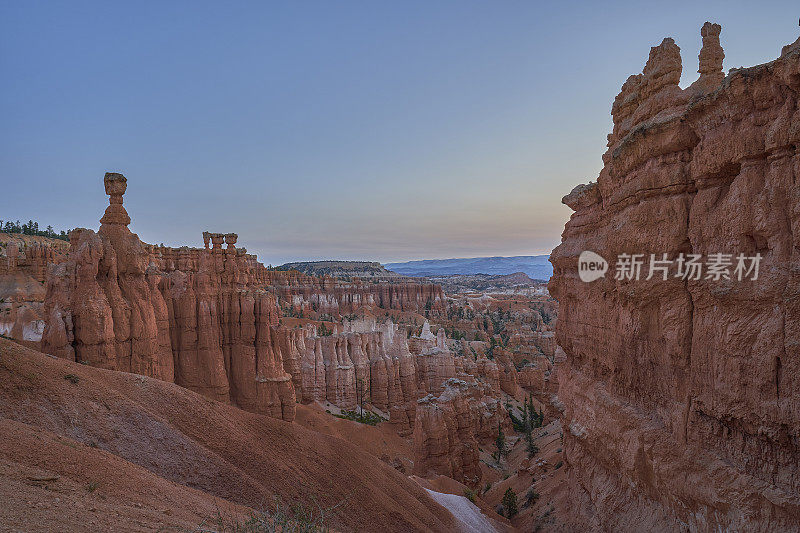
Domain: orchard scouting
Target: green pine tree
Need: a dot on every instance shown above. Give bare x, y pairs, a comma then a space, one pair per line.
500, 443
510, 502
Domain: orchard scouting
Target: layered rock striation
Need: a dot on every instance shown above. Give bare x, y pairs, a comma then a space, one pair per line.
449, 427
365, 357
682, 396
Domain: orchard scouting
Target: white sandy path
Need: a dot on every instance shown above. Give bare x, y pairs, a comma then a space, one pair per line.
466, 512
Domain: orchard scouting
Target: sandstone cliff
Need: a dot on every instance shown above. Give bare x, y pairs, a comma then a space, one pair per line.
683, 396
335, 296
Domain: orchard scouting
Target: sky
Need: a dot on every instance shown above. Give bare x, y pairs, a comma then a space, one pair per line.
369, 130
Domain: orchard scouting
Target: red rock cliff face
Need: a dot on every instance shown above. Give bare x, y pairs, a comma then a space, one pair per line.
18, 256
328, 368
208, 319
683, 397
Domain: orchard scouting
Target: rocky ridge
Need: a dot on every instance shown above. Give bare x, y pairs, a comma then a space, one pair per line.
342, 269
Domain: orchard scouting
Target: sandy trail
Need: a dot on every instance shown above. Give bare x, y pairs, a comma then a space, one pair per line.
467, 513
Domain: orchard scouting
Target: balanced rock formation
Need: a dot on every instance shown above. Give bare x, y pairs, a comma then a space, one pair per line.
682, 396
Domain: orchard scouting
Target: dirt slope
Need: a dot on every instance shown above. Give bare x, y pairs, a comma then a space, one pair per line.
382, 440
201, 444
52, 483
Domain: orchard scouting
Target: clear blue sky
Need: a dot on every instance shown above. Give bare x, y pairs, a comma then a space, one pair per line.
352, 130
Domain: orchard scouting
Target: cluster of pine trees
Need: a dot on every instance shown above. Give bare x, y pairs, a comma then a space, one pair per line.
531, 419
32, 228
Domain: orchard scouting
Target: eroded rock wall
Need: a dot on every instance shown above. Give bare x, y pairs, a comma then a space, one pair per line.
23, 267
682, 396
450, 425
335, 296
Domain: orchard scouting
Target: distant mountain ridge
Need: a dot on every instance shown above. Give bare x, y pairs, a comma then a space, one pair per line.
535, 266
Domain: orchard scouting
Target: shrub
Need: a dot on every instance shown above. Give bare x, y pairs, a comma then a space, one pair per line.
531, 497
500, 443
533, 449
559, 464
470, 495
367, 417
72, 378
296, 518
519, 425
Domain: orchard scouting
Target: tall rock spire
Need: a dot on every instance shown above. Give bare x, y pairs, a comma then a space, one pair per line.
711, 56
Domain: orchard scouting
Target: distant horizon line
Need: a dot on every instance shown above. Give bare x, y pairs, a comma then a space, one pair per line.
412, 260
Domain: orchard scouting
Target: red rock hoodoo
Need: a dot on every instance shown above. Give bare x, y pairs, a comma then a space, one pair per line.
682, 396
